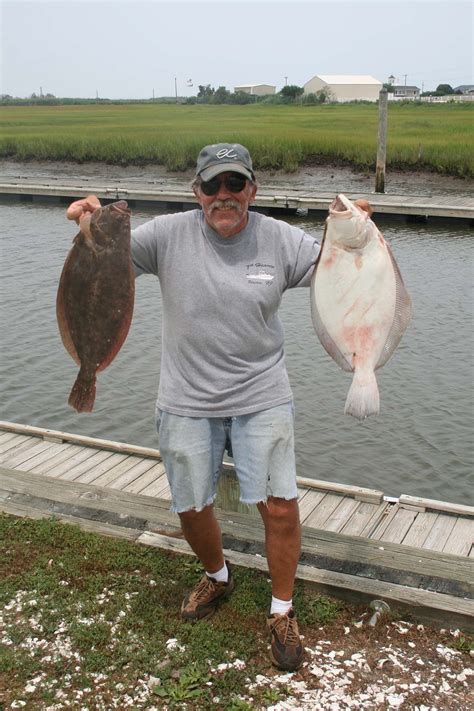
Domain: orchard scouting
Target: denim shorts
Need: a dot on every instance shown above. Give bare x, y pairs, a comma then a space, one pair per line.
262, 445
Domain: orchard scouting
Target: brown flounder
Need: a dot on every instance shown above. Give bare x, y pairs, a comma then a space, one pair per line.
95, 298
359, 304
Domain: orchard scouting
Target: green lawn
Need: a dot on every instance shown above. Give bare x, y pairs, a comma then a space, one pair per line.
434, 137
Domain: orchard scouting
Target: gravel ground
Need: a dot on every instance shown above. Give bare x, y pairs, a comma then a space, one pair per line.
392, 665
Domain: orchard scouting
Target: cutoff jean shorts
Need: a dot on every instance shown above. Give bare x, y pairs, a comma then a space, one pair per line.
262, 446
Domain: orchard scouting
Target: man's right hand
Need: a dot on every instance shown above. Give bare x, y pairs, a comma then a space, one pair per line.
82, 208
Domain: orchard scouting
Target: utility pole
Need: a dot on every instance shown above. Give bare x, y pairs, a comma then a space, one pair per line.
176, 89
153, 94
382, 143
405, 75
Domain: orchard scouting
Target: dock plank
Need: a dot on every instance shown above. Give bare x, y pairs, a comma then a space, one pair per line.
91, 475
323, 510
155, 473
81, 468
422, 504
6, 437
398, 526
39, 463
123, 472
63, 467
461, 538
364, 517
29, 454
419, 530
133, 474
440, 532
385, 520
67, 451
341, 514
158, 488
308, 503
17, 444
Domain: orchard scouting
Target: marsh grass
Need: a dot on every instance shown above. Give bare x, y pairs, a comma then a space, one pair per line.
420, 136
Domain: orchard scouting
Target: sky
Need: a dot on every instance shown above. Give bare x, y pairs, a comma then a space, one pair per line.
137, 50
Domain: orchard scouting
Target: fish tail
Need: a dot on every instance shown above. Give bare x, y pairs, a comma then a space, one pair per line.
83, 393
363, 397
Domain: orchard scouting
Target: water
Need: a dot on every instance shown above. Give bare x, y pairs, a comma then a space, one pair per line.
420, 444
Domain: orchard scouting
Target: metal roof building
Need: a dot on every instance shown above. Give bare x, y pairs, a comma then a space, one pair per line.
256, 89
465, 88
345, 87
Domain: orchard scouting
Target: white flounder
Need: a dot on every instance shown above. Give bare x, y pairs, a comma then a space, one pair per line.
359, 304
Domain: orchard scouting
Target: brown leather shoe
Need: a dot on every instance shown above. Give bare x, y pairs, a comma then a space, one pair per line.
286, 650
201, 602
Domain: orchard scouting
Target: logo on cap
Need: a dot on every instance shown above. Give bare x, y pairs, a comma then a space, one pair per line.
226, 153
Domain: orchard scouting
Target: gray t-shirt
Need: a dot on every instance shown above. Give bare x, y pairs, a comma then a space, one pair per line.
222, 339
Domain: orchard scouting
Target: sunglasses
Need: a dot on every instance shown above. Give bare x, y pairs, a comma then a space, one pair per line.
233, 183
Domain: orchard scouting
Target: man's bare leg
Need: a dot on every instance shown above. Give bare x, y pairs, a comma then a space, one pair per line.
202, 531
283, 543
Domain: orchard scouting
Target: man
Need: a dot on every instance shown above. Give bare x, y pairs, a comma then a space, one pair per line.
222, 272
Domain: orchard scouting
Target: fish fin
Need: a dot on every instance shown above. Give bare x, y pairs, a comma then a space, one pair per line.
83, 393
402, 315
326, 341
61, 317
363, 397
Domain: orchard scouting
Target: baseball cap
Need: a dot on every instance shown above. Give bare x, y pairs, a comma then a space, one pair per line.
222, 157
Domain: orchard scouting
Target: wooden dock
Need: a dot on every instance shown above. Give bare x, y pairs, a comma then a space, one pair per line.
268, 198
415, 553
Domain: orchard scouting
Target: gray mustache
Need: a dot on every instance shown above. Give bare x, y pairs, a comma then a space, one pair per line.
224, 203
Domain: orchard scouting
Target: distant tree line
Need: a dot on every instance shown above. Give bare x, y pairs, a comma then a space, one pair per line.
207, 94
290, 94
51, 100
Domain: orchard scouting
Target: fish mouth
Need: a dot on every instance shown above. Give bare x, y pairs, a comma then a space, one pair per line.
340, 207
121, 206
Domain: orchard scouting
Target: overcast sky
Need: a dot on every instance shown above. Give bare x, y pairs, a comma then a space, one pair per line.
131, 49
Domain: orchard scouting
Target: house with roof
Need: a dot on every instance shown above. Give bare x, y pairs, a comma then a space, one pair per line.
403, 92
465, 89
345, 87
256, 89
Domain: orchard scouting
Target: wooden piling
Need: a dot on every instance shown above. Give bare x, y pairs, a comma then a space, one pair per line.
382, 143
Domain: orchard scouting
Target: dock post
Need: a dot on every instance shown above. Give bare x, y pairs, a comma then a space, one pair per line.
382, 143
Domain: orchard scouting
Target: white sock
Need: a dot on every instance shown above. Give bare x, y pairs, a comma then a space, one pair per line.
280, 607
222, 575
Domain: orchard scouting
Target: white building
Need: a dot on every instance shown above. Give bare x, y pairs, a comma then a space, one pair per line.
345, 87
256, 89
401, 92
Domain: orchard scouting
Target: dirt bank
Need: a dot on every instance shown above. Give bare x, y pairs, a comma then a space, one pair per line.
325, 178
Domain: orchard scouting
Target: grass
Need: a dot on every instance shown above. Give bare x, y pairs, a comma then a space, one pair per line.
89, 622
420, 136
107, 614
